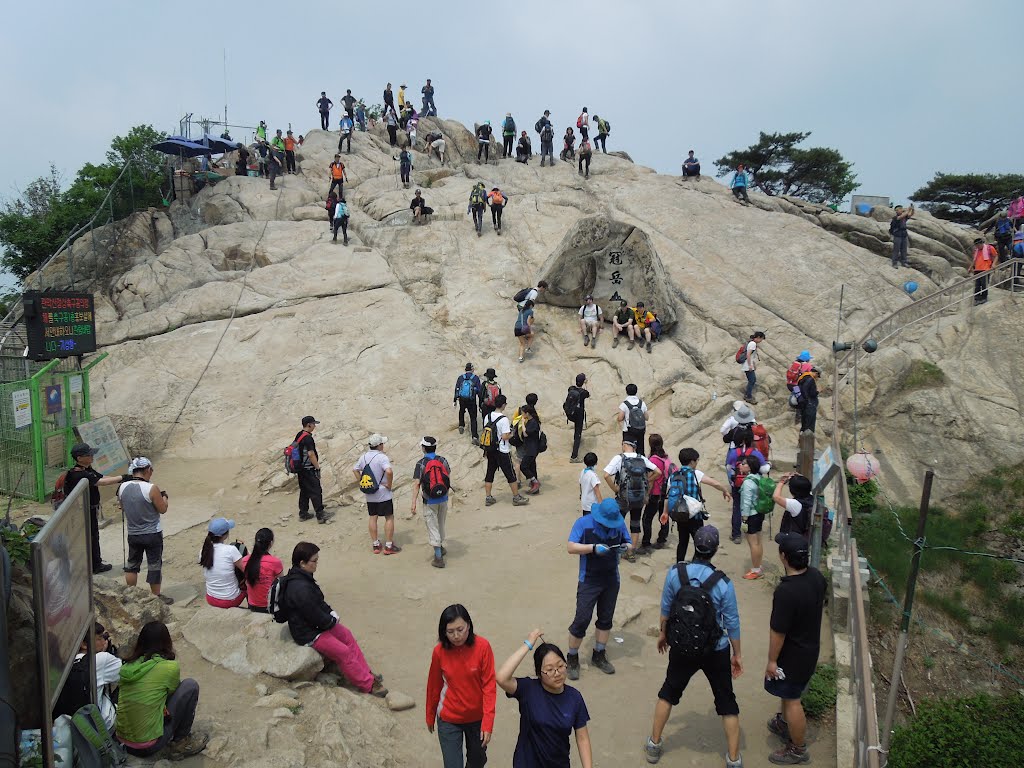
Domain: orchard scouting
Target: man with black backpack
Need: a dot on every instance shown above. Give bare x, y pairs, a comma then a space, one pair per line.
630, 475
576, 413
494, 437
82, 470
434, 476
375, 477
547, 144
632, 414
467, 390
699, 622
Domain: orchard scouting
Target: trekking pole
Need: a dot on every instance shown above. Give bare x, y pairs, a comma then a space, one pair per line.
124, 539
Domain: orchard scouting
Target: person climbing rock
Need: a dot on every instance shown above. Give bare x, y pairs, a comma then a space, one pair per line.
603, 129
346, 126
497, 200
405, 166
900, 239
585, 153
262, 157
410, 129
583, 123
483, 138
1004, 233
739, 184
691, 166
750, 361
275, 164
568, 145
547, 142
419, 208
391, 123
808, 384
435, 142
468, 390
477, 203
341, 220
429, 110
508, 134
337, 174
524, 149
524, 328
575, 407
323, 104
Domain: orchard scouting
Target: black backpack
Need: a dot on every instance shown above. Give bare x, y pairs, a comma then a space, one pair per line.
538, 125
547, 133
633, 485
75, 693
276, 599
692, 628
572, 405
521, 295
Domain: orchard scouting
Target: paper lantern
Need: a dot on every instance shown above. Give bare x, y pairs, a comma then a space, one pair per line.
910, 286
863, 466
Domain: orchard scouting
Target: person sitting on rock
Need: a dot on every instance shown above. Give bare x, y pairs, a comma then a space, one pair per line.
221, 566
585, 155
622, 323
419, 208
569, 145
591, 320
313, 623
260, 569
524, 149
643, 319
155, 707
75, 693
691, 166
740, 182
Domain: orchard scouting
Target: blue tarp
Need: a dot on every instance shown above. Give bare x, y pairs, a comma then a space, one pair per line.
217, 144
176, 145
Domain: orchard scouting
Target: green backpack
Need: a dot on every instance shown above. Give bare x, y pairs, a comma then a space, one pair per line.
93, 744
477, 197
765, 491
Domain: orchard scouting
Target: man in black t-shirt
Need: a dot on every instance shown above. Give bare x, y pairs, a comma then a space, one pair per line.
310, 490
82, 454
795, 641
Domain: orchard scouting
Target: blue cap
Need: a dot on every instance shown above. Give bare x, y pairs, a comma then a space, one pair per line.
804, 356
219, 526
607, 513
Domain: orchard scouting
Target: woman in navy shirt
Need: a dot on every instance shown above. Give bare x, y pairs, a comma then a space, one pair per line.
549, 710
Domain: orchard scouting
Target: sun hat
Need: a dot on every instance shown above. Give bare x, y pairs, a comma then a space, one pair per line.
607, 513
744, 416
804, 356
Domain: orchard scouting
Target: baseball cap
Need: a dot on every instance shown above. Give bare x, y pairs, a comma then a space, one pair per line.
791, 544
82, 449
376, 439
139, 462
309, 420
429, 442
705, 540
219, 526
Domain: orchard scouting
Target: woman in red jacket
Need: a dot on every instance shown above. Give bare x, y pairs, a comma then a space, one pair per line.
461, 690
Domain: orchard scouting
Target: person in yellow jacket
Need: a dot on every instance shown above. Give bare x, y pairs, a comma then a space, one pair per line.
642, 320
401, 98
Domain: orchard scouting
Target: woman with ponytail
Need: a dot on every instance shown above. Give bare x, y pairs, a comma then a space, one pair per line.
260, 569
221, 566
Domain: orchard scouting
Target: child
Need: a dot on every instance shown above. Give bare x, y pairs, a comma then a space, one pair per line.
590, 483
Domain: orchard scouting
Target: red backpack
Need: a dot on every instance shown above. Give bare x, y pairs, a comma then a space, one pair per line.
762, 442
793, 373
58, 490
491, 391
737, 479
741, 354
435, 480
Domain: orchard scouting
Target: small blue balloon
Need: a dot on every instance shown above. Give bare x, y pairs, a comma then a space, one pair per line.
910, 286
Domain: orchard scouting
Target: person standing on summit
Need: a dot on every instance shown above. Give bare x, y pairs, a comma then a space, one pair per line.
508, 134
350, 104
603, 129
483, 138
324, 105
429, 110
583, 123
900, 240
389, 99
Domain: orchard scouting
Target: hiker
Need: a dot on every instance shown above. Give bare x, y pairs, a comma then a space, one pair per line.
543, 120
405, 167
532, 445
575, 407
261, 131
360, 116
338, 175
984, 259
155, 707
477, 204
585, 154
262, 151
483, 138
590, 484
630, 475
142, 503
313, 623
341, 220
391, 123
800, 365
428, 99
900, 239
389, 99
461, 692
497, 200
596, 537
691, 479
489, 391
75, 693
583, 123
435, 141
401, 98
743, 446
498, 451
468, 390
632, 414
749, 468
242, 163
794, 646
433, 474
750, 359
310, 490
410, 129
591, 320
220, 562
524, 329
350, 103
643, 319
275, 165
622, 322
524, 149
808, 384
260, 568
331, 205
547, 143
739, 184
375, 478
508, 134
82, 454
405, 115
1004, 234
323, 104
691, 591
278, 141
568, 145
549, 710
346, 126
741, 416
419, 208
691, 166
301, 139
656, 501
797, 517
1018, 255
603, 129
289, 152
531, 294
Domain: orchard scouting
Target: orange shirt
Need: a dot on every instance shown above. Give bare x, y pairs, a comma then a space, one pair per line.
289, 144
983, 258
337, 170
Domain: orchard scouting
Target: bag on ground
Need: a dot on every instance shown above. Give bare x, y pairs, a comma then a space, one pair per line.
93, 744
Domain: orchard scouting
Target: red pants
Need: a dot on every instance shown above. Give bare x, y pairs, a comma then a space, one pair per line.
338, 645
216, 602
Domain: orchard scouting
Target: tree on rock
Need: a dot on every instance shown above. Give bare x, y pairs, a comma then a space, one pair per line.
969, 198
780, 167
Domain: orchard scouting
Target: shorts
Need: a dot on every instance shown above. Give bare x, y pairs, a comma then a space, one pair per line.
791, 690
498, 460
590, 322
152, 546
717, 668
589, 594
523, 332
755, 523
380, 508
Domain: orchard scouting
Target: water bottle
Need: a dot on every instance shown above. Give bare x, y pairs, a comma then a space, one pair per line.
714, 396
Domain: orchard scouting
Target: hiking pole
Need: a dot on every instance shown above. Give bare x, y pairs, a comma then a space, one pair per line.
124, 539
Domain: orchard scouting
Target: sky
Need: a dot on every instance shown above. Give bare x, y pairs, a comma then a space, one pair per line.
902, 90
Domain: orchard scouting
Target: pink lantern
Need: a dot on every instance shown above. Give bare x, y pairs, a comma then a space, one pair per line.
863, 466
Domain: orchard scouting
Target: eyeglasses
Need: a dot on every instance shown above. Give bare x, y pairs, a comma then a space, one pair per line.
455, 632
555, 671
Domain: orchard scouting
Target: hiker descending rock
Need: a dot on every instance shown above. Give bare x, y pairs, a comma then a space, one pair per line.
375, 478
691, 167
477, 204
497, 200
508, 134
807, 386
591, 320
275, 165
583, 124
420, 209
468, 392
740, 182
405, 167
483, 138
411, 125
435, 142
433, 475
323, 105
524, 328
429, 109
983, 260
524, 149
346, 126
603, 129
585, 155
568, 152
575, 409
341, 221
337, 174
743, 446
747, 356
800, 365
494, 437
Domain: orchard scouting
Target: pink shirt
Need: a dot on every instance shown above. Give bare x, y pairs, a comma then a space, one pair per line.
659, 482
270, 569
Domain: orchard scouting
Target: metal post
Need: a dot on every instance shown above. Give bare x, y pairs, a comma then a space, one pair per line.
908, 606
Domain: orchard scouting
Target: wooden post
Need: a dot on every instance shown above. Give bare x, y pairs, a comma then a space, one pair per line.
805, 454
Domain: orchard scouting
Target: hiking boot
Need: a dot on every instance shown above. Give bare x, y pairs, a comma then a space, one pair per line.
519, 500
462, 430
600, 660
476, 441
392, 549
378, 689
479, 233
581, 173
790, 754
593, 342
631, 555
586, 341
587, 176
730, 763
499, 231
166, 600
735, 539
575, 460
572, 662
324, 517
304, 516
750, 400
345, 242
652, 750
648, 347
631, 344
659, 544
377, 547
437, 562
615, 342
779, 727
102, 567
645, 550
444, 552
191, 745
490, 500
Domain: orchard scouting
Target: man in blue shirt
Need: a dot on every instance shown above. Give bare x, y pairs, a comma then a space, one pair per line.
691, 166
716, 665
740, 182
435, 510
346, 124
596, 538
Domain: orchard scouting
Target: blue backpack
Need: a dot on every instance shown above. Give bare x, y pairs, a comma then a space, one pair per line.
465, 387
675, 505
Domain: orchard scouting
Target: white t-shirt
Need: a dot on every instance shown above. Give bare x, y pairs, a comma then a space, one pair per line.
502, 426
108, 673
751, 355
379, 466
591, 312
531, 295
221, 581
588, 482
794, 507
632, 400
616, 463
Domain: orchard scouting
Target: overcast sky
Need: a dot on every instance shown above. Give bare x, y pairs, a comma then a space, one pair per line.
900, 89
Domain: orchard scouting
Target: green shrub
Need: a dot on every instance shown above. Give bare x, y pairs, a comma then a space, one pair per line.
961, 733
820, 696
18, 543
862, 495
922, 374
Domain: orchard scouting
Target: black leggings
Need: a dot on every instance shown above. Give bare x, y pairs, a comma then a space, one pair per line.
343, 224
586, 159
686, 531
577, 436
325, 120
404, 170
485, 150
478, 217
496, 215
528, 466
652, 510
740, 192
289, 159
507, 146
393, 135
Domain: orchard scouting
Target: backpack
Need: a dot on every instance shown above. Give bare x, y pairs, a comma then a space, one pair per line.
521, 295
633, 483
293, 457
367, 482
740, 454
509, 127
516, 438
579, 121
491, 392
276, 599
572, 405
542, 443
489, 437
692, 628
539, 125
75, 693
547, 133
675, 496
741, 354
477, 196
58, 490
466, 387
635, 418
607, 126
93, 745
892, 225
497, 198
793, 373
765, 490
762, 442
435, 480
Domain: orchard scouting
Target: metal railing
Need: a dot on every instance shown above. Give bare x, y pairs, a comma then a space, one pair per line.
866, 754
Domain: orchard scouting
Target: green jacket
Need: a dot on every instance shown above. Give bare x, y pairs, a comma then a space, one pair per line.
145, 686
